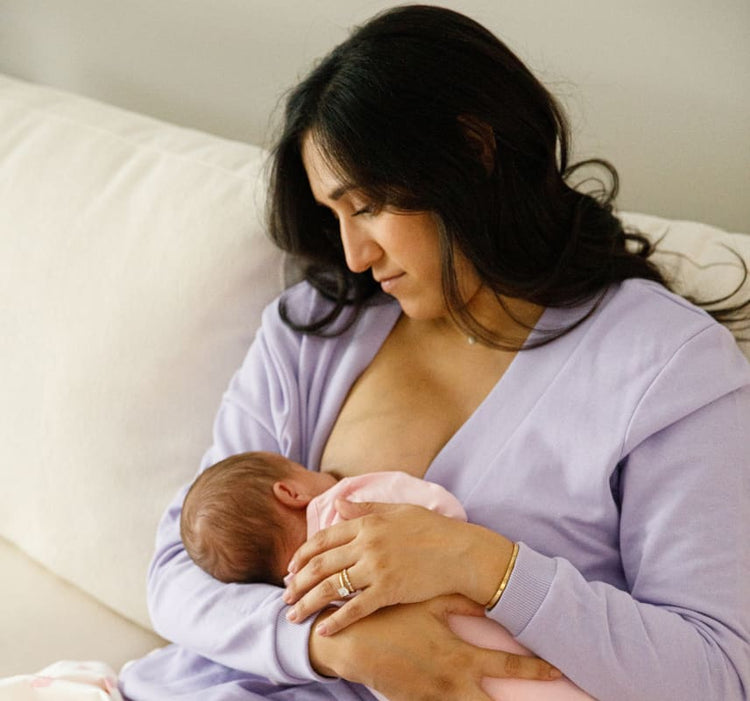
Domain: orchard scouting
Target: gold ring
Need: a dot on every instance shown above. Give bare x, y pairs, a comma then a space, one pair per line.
345, 585
347, 581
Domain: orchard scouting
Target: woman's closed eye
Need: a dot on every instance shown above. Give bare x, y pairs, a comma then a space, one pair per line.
366, 209
329, 216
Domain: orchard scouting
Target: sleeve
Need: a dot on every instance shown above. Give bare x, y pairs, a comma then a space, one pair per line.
682, 631
241, 626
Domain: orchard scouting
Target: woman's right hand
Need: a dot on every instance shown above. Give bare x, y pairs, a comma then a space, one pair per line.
441, 556
408, 653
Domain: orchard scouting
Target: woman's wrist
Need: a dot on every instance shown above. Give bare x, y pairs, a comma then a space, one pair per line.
492, 556
318, 646
504, 581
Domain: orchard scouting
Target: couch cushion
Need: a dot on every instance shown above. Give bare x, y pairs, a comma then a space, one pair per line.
45, 619
133, 269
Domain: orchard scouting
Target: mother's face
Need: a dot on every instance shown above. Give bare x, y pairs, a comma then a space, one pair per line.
401, 249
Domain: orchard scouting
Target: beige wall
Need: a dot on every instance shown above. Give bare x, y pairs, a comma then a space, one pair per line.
660, 87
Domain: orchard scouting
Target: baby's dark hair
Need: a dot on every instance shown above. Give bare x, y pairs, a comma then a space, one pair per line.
229, 523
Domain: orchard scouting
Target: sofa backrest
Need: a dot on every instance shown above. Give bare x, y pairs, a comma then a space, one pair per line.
133, 270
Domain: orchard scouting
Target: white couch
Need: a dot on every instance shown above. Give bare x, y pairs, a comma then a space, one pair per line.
133, 268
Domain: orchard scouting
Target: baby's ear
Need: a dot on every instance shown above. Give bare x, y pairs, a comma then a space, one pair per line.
289, 495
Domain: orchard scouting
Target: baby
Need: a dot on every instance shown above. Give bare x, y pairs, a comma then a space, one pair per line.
244, 518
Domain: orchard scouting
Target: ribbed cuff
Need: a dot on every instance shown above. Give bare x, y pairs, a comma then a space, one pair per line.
526, 590
293, 651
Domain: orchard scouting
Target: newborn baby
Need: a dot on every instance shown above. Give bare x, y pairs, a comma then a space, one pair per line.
244, 518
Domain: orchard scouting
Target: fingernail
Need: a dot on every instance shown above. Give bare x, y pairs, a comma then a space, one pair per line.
291, 615
321, 629
286, 597
292, 567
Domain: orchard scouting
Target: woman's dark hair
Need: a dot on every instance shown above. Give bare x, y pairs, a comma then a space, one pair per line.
407, 110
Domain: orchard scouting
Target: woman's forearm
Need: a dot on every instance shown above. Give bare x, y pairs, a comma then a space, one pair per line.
598, 635
241, 626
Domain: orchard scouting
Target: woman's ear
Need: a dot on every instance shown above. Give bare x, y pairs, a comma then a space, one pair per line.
481, 140
287, 493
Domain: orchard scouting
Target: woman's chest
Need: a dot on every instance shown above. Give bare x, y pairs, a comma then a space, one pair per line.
383, 426
404, 408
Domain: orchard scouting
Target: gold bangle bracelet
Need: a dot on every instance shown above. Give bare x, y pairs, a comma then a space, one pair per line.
504, 581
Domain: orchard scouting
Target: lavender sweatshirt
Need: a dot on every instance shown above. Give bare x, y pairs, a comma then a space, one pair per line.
617, 455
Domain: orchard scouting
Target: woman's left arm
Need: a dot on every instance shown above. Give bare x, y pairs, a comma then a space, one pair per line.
682, 630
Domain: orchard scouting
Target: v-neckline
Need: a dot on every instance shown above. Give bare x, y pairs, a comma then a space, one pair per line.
518, 382
512, 398
505, 382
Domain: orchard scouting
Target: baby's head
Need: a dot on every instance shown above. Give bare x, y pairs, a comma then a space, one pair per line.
244, 517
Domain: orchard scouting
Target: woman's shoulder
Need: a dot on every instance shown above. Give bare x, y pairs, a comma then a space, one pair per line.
302, 301
639, 328
645, 312
643, 359
650, 299
643, 324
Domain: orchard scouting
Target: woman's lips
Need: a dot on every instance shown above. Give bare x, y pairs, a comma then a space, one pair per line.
388, 284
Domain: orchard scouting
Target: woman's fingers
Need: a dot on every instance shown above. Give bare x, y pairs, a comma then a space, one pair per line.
334, 588
341, 533
506, 665
496, 663
356, 608
320, 583
317, 563
408, 653
365, 602
324, 540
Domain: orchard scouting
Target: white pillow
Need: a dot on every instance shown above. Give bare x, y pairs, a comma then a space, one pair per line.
701, 262
133, 269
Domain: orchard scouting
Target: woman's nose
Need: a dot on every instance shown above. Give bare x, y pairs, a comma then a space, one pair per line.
360, 249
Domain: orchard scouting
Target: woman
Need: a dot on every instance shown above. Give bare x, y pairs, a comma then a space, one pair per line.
468, 316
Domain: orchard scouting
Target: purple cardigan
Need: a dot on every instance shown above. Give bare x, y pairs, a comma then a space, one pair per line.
618, 455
